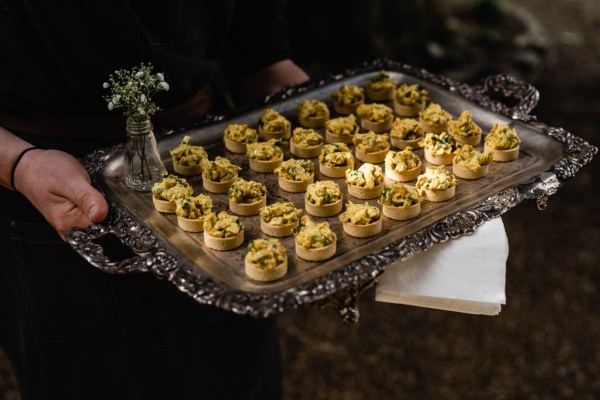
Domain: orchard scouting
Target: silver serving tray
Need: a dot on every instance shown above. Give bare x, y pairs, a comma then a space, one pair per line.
548, 157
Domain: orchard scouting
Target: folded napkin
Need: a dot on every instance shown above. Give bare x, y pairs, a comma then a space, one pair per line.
466, 274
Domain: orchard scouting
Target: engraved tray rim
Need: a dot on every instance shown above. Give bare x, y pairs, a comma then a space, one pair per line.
152, 256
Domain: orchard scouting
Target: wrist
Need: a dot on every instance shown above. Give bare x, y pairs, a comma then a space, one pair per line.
18, 162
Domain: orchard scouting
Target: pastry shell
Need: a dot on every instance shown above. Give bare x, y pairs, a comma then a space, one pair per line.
408, 111
217, 187
438, 159
265, 275
439, 195
377, 127
266, 136
164, 206
363, 193
386, 94
278, 230
333, 172
347, 109
402, 144
331, 137
403, 176
470, 140
503, 155
466, 173
437, 129
247, 209
223, 244
187, 170
295, 186
233, 146
323, 210
320, 254
313, 122
191, 224
363, 231
376, 157
264, 166
305, 152
401, 213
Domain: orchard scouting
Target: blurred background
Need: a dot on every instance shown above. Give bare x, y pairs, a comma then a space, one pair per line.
545, 344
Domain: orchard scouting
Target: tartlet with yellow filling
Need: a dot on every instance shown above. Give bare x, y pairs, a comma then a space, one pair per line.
409, 100
246, 197
223, 231
265, 156
191, 211
375, 117
400, 202
295, 175
237, 136
402, 166
187, 158
306, 143
167, 191
347, 99
434, 119
465, 130
323, 199
366, 182
312, 113
314, 242
341, 129
266, 260
279, 219
436, 184
335, 159
439, 149
406, 132
361, 220
380, 87
219, 174
469, 163
503, 142
273, 125
371, 147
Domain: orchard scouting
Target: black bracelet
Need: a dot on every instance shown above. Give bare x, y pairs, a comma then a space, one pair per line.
14, 166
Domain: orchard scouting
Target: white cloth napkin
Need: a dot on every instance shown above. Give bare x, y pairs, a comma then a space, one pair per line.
466, 274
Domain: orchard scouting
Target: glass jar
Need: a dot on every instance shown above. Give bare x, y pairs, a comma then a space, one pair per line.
143, 166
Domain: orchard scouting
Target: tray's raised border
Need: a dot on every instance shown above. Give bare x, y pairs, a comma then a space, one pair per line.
151, 255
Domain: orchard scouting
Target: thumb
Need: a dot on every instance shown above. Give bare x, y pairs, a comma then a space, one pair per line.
92, 204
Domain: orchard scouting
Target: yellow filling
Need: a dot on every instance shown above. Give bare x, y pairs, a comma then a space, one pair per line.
246, 192
323, 192
306, 137
375, 112
171, 188
443, 143
194, 207
435, 178
312, 109
464, 126
367, 176
381, 82
273, 122
188, 155
342, 126
472, 159
222, 225
371, 142
360, 214
265, 151
313, 236
434, 115
219, 170
266, 254
410, 95
336, 155
241, 133
406, 129
501, 137
402, 160
280, 213
296, 170
348, 94
399, 195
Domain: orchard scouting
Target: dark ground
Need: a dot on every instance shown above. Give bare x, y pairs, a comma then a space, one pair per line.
546, 342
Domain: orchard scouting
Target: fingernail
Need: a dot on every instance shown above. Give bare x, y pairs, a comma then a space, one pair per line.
92, 212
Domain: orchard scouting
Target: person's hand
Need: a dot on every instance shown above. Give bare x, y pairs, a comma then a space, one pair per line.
59, 187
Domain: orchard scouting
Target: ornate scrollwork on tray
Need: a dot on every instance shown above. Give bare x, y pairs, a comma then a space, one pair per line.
340, 288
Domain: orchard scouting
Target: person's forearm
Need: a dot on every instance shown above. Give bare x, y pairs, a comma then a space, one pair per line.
10, 149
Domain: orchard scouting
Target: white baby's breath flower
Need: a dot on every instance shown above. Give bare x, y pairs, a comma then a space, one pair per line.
111, 105
105, 85
160, 76
143, 98
164, 86
139, 74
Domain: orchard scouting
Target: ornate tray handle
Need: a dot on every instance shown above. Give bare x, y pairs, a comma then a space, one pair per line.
525, 94
144, 253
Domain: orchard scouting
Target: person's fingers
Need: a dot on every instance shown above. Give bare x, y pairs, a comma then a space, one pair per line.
92, 203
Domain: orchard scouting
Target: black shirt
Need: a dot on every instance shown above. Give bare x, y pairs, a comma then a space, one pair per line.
55, 54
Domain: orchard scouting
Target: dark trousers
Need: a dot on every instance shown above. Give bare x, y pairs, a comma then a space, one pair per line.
73, 332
